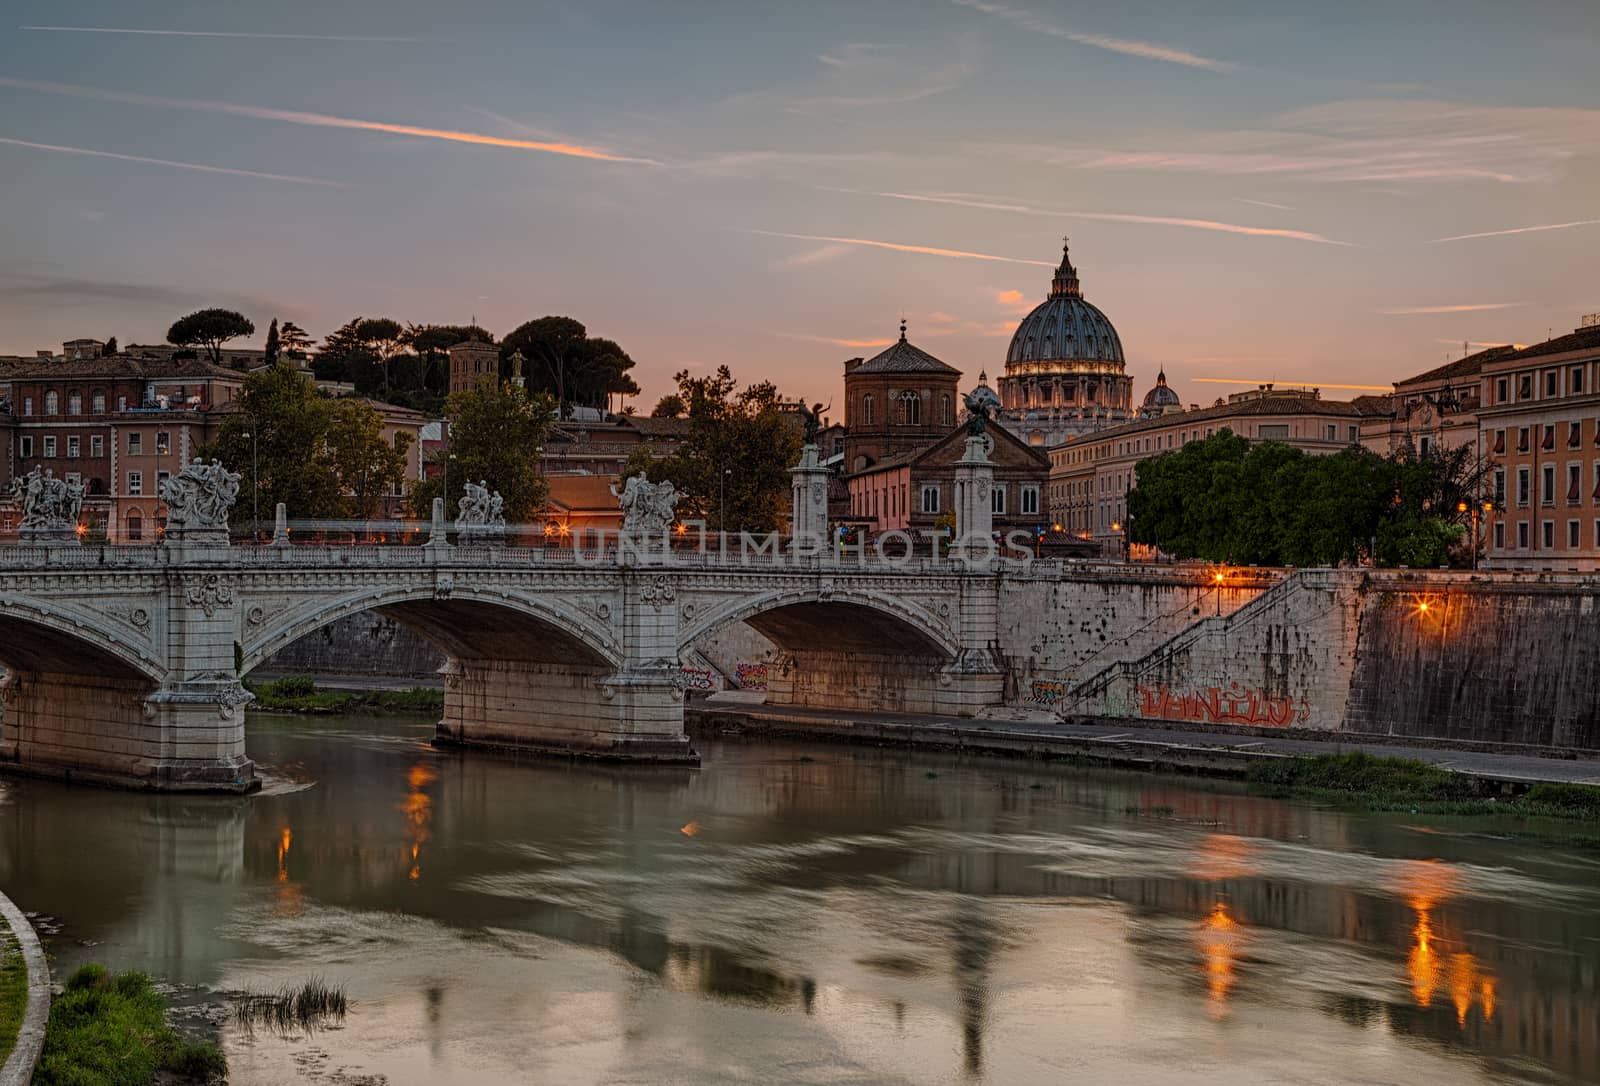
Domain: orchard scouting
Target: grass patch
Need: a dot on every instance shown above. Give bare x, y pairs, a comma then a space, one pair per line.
110, 1029
13, 994
298, 694
290, 1010
1391, 784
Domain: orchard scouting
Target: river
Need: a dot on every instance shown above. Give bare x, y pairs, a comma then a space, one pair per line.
818, 915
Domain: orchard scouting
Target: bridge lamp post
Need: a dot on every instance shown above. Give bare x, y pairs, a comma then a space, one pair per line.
255, 489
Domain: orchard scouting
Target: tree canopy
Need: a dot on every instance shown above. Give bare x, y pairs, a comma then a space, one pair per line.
732, 469
322, 458
1226, 500
496, 433
559, 357
209, 328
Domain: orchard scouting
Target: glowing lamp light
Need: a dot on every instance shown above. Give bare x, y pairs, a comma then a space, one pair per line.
82, 529
1461, 507
1055, 527
682, 529
1116, 526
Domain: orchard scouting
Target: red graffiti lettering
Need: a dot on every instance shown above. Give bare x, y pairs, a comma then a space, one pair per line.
1216, 705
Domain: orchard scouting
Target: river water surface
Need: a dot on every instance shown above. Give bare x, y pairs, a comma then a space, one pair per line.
819, 915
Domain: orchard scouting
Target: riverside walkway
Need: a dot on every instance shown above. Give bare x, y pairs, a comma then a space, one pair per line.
1136, 746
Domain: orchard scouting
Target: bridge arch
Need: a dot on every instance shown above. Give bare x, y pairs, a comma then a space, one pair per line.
837, 649
471, 623
57, 637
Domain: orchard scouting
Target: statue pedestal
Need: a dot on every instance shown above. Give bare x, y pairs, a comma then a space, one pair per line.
808, 525
48, 537
197, 538
974, 541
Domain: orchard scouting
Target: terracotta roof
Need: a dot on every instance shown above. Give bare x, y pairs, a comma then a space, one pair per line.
1468, 366
902, 357
654, 427
1374, 406
115, 366
1581, 340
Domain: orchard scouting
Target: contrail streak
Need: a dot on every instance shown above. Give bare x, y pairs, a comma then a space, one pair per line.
321, 120
1027, 20
169, 162
1520, 230
213, 34
1412, 310
1319, 384
1108, 216
926, 250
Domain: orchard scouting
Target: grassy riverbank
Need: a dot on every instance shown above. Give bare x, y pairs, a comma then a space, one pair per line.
13, 993
1402, 784
296, 694
111, 1030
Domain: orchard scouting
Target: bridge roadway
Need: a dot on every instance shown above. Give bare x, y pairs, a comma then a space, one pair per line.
124, 664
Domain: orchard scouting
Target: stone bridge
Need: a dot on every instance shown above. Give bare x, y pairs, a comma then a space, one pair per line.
125, 664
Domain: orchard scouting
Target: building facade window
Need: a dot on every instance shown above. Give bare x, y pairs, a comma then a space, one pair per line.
163, 443
997, 499
97, 403
1572, 535
1499, 536
1029, 500
1548, 534
135, 444
135, 482
866, 410
1522, 486
930, 499
1502, 389
97, 445
1522, 535
72, 447
946, 418
1576, 382
49, 445
1549, 383
910, 409
52, 403
1500, 486
1547, 485
135, 527
25, 447
75, 403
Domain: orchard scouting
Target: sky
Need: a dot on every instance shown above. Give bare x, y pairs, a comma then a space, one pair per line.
1306, 193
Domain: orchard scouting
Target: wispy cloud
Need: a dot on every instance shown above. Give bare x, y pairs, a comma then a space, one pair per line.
1013, 301
1027, 20
1475, 307
948, 324
1264, 203
215, 34
145, 160
1110, 216
322, 120
1520, 230
1368, 140
924, 250
835, 342
866, 75
820, 255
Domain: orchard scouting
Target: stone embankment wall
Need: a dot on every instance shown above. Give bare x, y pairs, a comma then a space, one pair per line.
1504, 658
364, 644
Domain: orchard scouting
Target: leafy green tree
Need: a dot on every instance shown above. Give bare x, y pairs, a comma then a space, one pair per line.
368, 467
111, 346
293, 341
280, 428
361, 351
669, 406
559, 357
732, 468
210, 329
496, 434
271, 351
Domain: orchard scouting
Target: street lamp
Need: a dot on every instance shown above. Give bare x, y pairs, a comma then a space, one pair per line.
722, 501
255, 489
1217, 580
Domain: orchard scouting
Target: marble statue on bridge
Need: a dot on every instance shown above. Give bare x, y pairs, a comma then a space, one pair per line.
200, 497
50, 506
480, 514
648, 508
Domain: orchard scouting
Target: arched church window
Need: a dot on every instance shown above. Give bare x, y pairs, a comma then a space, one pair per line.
944, 412
910, 409
866, 410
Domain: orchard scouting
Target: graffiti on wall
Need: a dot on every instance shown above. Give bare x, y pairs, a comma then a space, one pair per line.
751, 676
1046, 692
698, 678
1216, 705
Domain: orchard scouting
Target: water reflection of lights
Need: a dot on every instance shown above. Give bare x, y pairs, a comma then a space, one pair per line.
1427, 883
1224, 856
1219, 938
284, 841
418, 809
